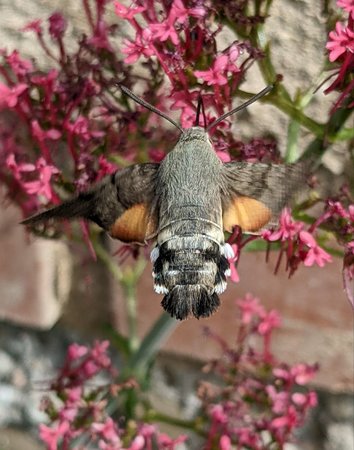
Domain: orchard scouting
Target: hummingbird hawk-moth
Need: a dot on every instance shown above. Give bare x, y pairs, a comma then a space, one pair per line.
183, 205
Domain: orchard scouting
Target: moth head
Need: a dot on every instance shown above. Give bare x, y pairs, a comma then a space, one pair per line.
195, 134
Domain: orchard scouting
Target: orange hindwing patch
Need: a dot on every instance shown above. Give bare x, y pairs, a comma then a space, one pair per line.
134, 225
248, 213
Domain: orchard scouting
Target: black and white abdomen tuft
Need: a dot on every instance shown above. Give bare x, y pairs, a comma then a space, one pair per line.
191, 271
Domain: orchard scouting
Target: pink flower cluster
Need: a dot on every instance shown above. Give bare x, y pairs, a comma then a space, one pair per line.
80, 420
341, 49
181, 40
299, 244
258, 405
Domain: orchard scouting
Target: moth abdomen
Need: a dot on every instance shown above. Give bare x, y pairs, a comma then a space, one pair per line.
186, 299
191, 271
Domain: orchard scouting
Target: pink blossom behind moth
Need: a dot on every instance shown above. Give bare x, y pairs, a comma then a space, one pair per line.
183, 205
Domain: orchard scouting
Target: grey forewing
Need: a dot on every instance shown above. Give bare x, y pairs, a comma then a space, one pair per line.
272, 184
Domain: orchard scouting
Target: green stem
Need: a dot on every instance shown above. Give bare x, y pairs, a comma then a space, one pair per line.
106, 258
129, 286
153, 341
131, 311
154, 416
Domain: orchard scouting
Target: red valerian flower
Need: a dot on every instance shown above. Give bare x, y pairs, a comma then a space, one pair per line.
19, 65
181, 14
9, 95
340, 41
42, 186
127, 13
51, 436
216, 74
57, 25
288, 228
165, 30
34, 25
250, 308
315, 254
142, 46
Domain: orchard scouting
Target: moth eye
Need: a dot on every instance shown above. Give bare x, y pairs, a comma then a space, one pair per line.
228, 251
155, 253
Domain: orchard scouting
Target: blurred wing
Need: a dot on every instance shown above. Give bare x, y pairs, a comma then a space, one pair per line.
256, 193
121, 204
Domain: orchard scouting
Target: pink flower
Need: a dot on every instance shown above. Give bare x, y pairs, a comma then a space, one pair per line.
127, 13
250, 308
215, 75
100, 39
99, 353
168, 443
225, 442
305, 400
17, 169
74, 395
42, 185
81, 127
51, 436
218, 414
351, 212
181, 14
300, 373
287, 229
280, 400
234, 276
57, 25
105, 167
107, 430
347, 5
340, 41
41, 135
142, 46
9, 95
76, 351
315, 255
289, 420
68, 413
248, 438
303, 373
269, 321
18, 65
223, 156
165, 30
137, 444
35, 25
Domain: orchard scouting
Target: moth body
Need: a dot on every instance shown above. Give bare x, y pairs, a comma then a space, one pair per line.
191, 265
185, 204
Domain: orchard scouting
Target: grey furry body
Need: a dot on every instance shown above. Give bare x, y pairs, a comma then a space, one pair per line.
190, 236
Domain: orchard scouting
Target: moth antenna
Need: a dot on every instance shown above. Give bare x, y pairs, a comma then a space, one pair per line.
147, 105
243, 106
